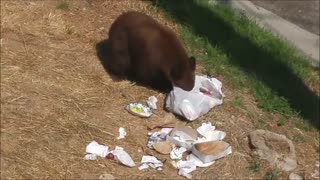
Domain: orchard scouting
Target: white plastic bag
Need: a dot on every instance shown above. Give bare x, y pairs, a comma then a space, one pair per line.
192, 104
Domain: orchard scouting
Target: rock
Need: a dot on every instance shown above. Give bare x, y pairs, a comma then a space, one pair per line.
275, 154
294, 176
164, 147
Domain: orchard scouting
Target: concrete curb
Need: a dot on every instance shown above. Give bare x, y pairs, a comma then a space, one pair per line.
306, 42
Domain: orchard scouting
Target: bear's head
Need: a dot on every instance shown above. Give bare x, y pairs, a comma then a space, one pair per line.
183, 74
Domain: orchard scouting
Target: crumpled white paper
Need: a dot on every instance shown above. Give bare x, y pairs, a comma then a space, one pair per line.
143, 166
97, 149
91, 157
205, 128
159, 136
186, 167
150, 161
177, 153
122, 156
208, 133
164, 132
122, 133
152, 102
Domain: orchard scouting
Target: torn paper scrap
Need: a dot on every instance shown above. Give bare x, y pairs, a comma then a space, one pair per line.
155, 137
183, 136
186, 167
150, 161
122, 133
97, 149
91, 157
123, 157
152, 102
143, 166
208, 133
164, 132
205, 128
177, 153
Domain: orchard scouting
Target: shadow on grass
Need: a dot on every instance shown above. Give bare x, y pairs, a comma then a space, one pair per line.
253, 60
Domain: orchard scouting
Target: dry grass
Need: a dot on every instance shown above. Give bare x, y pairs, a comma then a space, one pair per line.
56, 98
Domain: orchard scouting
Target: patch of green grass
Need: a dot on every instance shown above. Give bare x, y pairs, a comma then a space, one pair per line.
63, 5
272, 175
255, 166
238, 102
249, 57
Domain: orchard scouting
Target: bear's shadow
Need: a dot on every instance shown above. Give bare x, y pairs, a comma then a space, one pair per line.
103, 53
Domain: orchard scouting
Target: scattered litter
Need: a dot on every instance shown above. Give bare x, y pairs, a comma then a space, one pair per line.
205, 128
164, 147
208, 133
152, 102
143, 166
183, 136
177, 153
122, 133
174, 164
285, 161
198, 162
211, 150
164, 132
139, 109
94, 149
158, 136
150, 161
122, 156
154, 138
97, 149
106, 177
186, 167
110, 156
192, 104
90, 157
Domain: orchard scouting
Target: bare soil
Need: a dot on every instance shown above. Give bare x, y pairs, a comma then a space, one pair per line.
56, 98
303, 13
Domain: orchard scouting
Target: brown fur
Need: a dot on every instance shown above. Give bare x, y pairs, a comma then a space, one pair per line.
149, 53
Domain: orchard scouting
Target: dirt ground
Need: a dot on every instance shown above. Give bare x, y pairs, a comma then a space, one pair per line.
56, 98
303, 13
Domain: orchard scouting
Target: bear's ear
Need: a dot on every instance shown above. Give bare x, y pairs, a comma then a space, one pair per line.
193, 62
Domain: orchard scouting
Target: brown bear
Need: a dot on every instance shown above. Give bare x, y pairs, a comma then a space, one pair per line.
143, 50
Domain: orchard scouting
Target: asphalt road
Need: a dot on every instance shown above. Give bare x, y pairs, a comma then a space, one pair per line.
303, 13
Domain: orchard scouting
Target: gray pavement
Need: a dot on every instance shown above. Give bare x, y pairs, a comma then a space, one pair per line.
303, 40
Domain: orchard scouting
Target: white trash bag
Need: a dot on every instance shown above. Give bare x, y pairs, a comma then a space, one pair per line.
192, 104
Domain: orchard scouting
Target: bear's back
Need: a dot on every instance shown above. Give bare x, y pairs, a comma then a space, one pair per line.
148, 40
